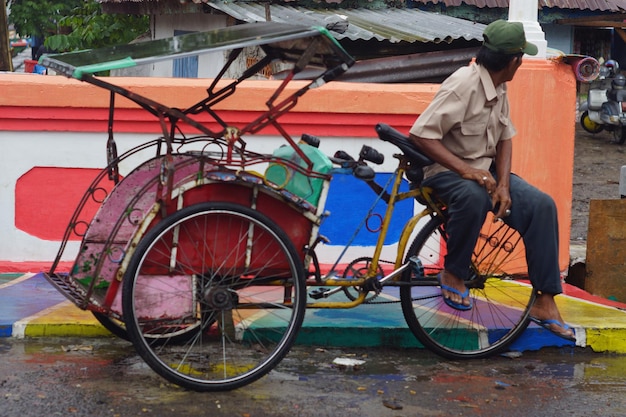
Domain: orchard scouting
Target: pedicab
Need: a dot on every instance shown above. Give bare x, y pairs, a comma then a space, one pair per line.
202, 254
202, 187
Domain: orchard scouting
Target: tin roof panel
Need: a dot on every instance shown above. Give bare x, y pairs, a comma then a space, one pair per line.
597, 5
393, 25
593, 5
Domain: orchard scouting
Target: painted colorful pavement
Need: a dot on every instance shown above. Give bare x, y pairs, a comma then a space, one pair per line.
31, 307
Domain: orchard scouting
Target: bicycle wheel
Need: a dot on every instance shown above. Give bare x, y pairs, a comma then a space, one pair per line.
499, 288
114, 326
228, 277
118, 328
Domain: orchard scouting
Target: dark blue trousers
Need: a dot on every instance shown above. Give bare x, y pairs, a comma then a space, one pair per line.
533, 215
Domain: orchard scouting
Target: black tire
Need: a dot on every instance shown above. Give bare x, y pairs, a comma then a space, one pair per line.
589, 125
500, 293
619, 135
116, 327
228, 270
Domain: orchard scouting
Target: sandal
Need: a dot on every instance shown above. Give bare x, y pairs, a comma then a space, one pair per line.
457, 306
549, 324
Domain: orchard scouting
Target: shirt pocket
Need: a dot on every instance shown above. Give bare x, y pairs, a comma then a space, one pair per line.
473, 128
472, 142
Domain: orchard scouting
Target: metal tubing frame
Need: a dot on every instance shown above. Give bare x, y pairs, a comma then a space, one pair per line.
393, 197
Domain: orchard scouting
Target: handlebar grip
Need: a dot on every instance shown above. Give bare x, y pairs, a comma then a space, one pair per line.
343, 155
364, 172
370, 154
310, 140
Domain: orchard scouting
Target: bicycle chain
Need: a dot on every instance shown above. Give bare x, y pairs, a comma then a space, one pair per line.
371, 300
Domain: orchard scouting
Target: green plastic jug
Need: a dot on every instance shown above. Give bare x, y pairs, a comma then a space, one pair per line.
299, 184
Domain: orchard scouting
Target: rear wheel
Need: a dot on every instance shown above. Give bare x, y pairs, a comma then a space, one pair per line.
500, 293
589, 125
114, 326
619, 135
227, 278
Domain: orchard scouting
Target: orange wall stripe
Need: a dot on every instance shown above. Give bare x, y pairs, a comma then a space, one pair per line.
543, 148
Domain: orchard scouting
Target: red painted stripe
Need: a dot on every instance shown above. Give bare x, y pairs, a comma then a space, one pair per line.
14, 118
576, 292
46, 197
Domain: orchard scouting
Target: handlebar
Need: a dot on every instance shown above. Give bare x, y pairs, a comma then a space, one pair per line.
361, 170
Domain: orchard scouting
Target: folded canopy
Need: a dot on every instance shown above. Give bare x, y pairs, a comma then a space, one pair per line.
278, 40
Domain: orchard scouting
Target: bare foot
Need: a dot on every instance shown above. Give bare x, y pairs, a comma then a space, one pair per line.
545, 309
450, 280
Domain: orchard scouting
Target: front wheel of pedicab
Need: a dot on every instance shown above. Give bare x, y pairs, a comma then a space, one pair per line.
230, 274
499, 289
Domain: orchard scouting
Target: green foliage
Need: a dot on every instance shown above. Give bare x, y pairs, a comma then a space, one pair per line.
74, 24
39, 17
90, 28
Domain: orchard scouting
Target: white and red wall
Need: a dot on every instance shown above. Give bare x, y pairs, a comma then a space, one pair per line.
53, 133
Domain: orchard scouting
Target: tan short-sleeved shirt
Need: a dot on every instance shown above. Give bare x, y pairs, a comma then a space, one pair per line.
469, 115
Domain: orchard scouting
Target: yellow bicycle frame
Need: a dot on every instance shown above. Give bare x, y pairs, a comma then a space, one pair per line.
432, 208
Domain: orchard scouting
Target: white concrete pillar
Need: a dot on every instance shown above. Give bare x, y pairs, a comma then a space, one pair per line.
622, 182
526, 11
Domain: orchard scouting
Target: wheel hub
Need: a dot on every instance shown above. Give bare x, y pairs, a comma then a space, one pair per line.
220, 298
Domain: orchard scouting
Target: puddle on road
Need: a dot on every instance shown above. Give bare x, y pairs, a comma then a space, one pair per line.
584, 370
384, 363
90, 370
305, 363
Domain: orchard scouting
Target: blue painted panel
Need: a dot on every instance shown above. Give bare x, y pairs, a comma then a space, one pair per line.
349, 200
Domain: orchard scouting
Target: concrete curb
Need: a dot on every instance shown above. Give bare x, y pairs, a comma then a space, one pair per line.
31, 307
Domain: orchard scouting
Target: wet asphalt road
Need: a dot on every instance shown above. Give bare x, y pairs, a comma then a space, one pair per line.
104, 377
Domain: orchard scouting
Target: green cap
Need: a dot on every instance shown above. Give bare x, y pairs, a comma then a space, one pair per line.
507, 38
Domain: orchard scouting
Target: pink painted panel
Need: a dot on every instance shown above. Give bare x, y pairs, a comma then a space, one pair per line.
165, 297
116, 222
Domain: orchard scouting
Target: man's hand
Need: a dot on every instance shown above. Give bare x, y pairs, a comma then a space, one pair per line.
500, 196
482, 177
501, 199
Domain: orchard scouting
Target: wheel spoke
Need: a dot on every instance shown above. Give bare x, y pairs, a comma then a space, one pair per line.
500, 296
213, 296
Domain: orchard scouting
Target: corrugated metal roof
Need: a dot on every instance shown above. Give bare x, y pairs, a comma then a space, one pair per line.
594, 5
393, 25
599, 5
477, 3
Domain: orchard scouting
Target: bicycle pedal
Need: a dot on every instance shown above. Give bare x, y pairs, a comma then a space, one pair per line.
318, 293
418, 268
